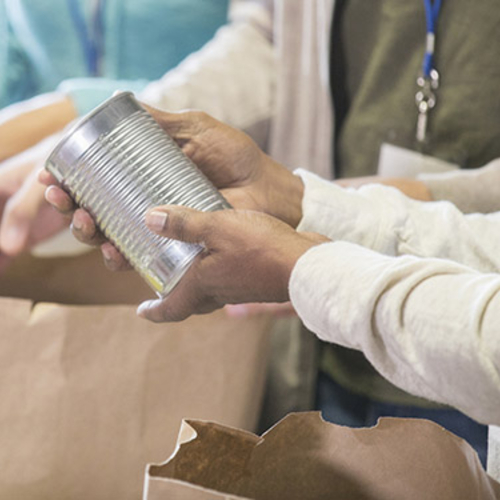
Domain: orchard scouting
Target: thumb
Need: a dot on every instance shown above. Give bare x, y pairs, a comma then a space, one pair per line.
180, 223
182, 126
177, 125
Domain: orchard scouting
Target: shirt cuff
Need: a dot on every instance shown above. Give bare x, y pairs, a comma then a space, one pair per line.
88, 93
360, 216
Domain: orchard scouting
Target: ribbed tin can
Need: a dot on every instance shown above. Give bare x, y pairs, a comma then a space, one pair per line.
117, 163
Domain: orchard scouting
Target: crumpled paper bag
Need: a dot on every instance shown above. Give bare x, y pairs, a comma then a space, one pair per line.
304, 458
90, 394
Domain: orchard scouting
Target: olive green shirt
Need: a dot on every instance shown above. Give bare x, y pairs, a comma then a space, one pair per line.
377, 53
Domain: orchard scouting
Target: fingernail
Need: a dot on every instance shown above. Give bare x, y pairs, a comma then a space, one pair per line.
156, 220
39, 172
107, 252
77, 224
48, 194
145, 307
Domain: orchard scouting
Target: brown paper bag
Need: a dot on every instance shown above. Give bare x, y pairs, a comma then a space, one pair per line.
305, 458
71, 280
90, 394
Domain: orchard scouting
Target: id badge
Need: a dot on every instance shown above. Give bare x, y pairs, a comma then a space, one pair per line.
494, 452
395, 161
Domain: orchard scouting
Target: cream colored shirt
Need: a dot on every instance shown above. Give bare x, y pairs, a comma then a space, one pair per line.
415, 286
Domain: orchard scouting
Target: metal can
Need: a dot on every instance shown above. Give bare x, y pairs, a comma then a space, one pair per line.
117, 163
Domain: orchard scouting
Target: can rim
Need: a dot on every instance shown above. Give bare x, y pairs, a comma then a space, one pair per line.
81, 122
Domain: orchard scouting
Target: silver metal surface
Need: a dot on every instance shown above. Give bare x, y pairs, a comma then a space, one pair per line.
118, 163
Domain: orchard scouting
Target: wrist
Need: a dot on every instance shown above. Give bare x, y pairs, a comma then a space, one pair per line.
283, 193
289, 256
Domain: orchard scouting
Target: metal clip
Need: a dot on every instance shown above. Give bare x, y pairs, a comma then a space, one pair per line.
425, 100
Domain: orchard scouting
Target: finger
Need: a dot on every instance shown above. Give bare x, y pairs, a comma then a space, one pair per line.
14, 233
84, 229
46, 178
60, 200
176, 307
181, 223
159, 312
278, 309
182, 126
176, 125
113, 259
19, 217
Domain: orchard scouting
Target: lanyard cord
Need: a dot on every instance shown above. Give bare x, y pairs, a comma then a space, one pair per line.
91, 44
428, 81
432, 10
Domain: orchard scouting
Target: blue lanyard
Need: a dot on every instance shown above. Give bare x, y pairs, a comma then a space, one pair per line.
91, 40
432, 10
428, 81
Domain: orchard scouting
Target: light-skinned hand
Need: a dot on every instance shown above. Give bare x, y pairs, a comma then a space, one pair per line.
25, 217
277, 309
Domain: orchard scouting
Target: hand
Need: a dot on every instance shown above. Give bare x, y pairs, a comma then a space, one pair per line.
409, 187
248, 257
277, 309
25, 217
24, 124
247, 177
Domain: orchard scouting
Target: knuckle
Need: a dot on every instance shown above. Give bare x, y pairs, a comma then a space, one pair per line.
196, 116
203, 117
180, 225
189, 149
208, 229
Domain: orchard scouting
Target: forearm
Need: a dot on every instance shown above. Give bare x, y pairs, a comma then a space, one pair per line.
384, 220
476, 190
427, 325
24, 124
232, 77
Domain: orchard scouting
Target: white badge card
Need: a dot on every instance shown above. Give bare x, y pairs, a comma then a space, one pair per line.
395, 161
494, 452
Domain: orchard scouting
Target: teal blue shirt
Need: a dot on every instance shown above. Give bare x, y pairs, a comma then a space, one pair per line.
43, 46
